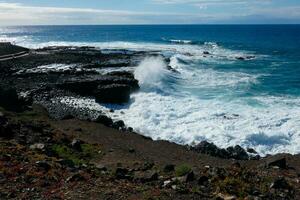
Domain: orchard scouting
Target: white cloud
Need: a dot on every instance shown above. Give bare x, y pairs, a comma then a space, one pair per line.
21, 14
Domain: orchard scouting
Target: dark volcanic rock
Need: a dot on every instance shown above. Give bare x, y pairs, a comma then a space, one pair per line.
121, 173
5, 127
211, 149
146, 176
169, 168
115, 93
275, 162
236, 152
119, 125
102, 119
10, 100
280, 183
106, 89
76, 145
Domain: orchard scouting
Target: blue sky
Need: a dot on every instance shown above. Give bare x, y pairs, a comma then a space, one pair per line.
61, 12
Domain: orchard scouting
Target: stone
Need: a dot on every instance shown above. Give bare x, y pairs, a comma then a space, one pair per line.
210, 149
121, 173
206, 53
146, 176
44, 165
76, 145
203, 180
167, 183
280, 183
119, 124
275, 162
101, 167
237, 153
131, 150
37, 146
115, 93
106, 121
169, 168
5, 128
189, 177
75, 177
148, 165
251, 150
10, 100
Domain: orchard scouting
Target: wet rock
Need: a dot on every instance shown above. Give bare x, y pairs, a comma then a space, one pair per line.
169, 168
106, 121
120, 125
206, 53
210, 149
275, 162
251, 150
237, 153
76, 145
115, 93
240, 58
146, 176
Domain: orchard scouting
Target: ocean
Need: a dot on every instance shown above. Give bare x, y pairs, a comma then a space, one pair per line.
236, 84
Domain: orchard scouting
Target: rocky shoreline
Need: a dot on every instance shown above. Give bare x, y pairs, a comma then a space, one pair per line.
50, 150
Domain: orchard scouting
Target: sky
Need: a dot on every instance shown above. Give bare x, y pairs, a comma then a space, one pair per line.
81, 12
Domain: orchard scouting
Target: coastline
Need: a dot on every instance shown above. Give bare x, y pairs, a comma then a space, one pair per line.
126, 158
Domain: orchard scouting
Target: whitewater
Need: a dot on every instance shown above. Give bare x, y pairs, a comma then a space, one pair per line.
211, 96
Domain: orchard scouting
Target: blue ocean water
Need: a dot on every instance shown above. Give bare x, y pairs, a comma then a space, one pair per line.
216, 97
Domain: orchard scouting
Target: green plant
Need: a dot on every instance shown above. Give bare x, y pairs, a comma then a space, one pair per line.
182, 170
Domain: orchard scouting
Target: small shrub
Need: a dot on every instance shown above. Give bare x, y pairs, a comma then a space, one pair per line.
182, 170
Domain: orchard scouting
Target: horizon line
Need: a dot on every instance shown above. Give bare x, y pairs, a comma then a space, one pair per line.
209, 24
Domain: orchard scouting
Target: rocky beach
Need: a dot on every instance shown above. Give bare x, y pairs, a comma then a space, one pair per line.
54, 150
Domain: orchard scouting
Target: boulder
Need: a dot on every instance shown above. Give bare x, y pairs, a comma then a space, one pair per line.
10, 100
169, 168
280, 183
119, 124
146, 176
76, 145
237, 153
210, 149
121, 173
277, 162
106, 121
203, 180
5, 128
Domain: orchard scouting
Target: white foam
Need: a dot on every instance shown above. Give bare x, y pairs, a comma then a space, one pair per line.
150, 71
50, 68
